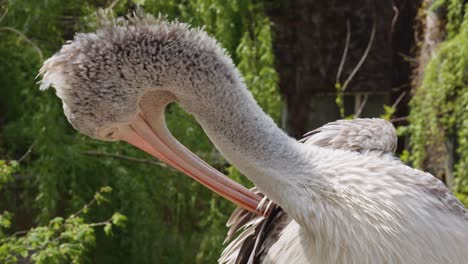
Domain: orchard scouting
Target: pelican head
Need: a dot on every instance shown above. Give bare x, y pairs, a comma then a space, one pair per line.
115, 84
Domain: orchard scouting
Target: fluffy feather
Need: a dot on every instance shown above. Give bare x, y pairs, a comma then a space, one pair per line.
258, 234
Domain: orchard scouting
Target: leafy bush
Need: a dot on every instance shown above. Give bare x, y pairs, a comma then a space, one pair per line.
439, 108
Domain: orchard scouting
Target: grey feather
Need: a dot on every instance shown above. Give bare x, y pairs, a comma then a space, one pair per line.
257, 233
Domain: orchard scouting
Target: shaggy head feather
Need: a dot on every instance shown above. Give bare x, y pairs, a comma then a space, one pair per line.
101, 76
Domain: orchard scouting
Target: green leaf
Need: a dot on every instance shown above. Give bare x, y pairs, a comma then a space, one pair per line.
5, 219
100, 199
108, 229
119, 219
106, 189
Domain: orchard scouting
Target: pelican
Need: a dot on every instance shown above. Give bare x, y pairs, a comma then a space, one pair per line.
345, 203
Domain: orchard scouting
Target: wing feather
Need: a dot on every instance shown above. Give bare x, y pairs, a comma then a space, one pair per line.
257, 233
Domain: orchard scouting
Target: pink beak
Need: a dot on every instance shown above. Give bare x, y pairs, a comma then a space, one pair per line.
149, 133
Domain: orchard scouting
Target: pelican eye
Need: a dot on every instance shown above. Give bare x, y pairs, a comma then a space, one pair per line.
108, 133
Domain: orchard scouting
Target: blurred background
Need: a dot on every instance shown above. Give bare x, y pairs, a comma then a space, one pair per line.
66, 198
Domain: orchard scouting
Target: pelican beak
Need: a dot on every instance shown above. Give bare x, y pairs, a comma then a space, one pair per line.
148, 132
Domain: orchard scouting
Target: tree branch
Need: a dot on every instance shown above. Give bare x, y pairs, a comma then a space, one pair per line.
26, 154
113, 4
397, 119
4, 14
124, 157
19, 33
363, 58
345, 52
398, 100
100, 223
361, 107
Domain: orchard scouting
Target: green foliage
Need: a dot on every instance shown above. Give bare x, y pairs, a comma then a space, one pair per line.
257, 65
60, 241
439, 108
171, 219
339, 98
7, 168
389, 111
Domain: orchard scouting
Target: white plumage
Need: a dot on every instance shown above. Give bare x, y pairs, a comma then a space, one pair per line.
259, 237
272, 239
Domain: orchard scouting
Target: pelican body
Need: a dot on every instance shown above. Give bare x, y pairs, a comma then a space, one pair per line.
343, 204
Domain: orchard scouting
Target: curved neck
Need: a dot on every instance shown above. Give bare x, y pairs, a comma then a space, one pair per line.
247, 137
